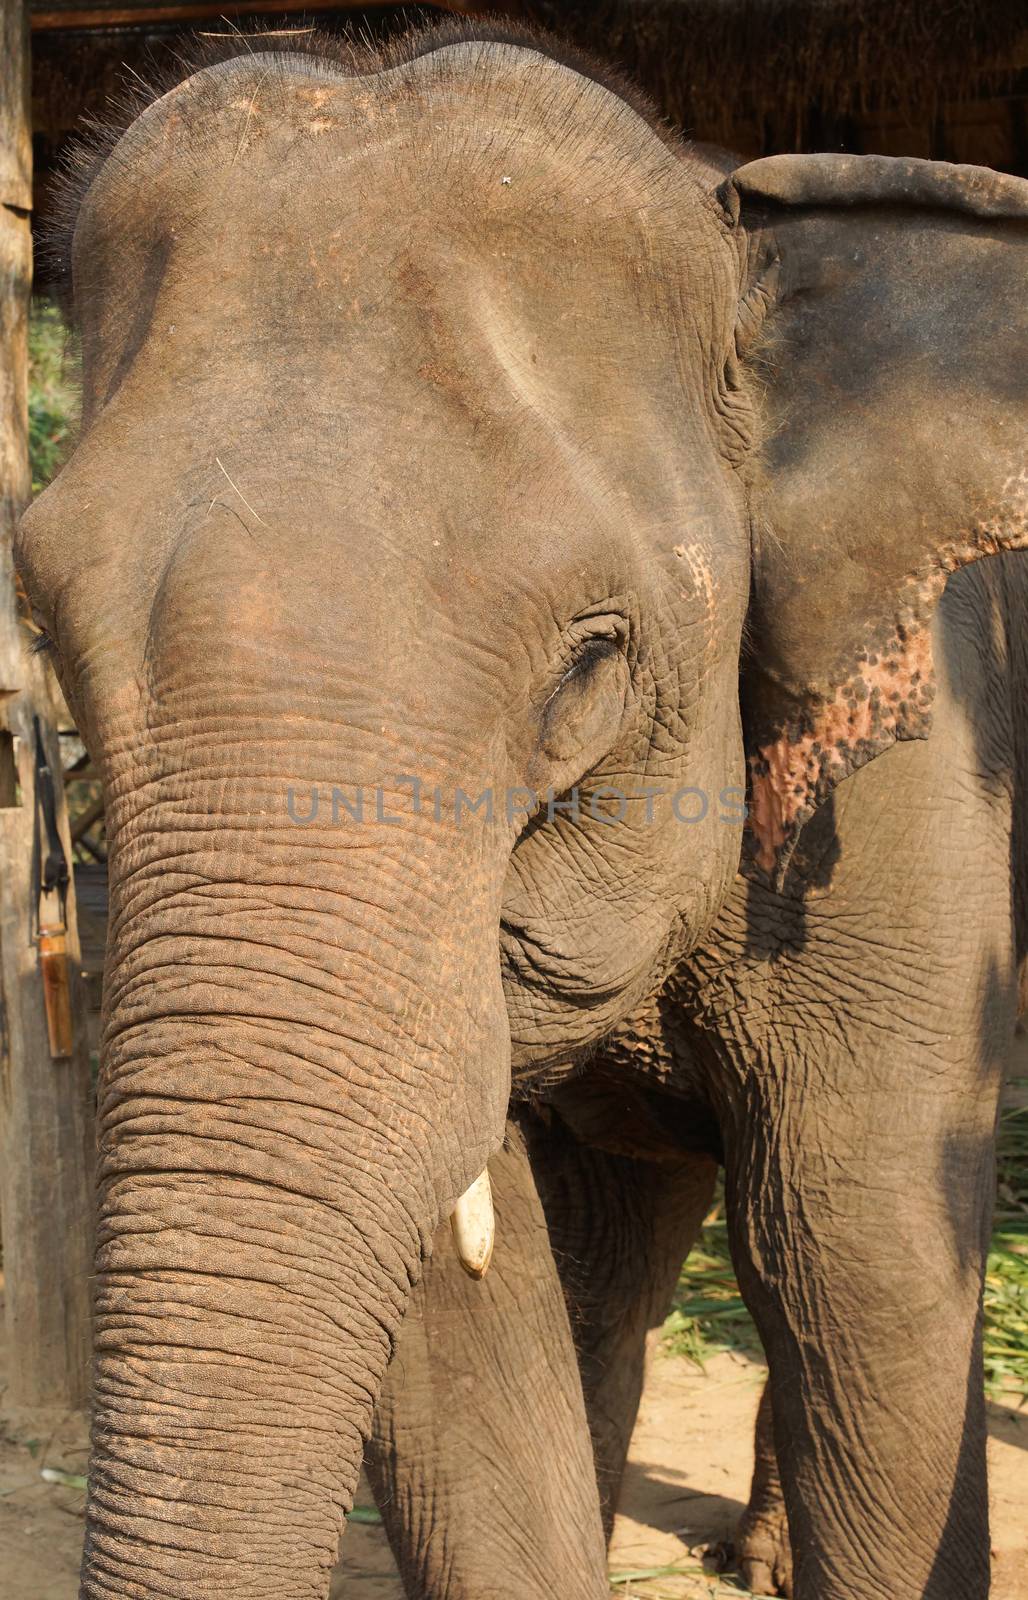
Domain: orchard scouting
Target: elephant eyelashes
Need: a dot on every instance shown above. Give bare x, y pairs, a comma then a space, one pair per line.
42, 644
589, 656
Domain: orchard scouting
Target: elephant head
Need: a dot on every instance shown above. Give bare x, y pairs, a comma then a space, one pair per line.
452, 445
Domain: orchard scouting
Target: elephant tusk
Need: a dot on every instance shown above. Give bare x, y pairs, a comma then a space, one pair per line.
474, 1226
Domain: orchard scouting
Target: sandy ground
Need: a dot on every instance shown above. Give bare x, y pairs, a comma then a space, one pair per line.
686, 1482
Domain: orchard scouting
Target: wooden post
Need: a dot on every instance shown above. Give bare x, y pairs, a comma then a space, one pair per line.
46, 1140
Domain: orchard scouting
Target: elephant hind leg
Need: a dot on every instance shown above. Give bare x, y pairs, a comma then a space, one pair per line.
762, 1552
620, 1229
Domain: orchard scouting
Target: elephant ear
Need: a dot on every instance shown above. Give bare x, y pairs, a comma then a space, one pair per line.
884, 317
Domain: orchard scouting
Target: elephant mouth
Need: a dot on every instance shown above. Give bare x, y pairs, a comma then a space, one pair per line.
554, 963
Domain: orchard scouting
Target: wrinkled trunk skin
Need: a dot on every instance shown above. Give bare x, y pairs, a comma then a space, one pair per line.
288, 1106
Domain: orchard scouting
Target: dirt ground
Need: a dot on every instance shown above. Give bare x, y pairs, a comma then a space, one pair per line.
686, 1482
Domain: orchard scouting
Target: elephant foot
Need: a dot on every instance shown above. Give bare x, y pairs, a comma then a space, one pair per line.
760, 1553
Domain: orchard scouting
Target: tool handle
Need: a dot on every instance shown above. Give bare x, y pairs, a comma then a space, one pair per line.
53, 959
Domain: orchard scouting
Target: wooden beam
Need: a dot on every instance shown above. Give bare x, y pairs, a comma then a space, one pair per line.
202, 10
15, 130
46, 1139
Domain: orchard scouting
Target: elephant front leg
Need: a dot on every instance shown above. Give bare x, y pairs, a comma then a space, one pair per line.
480, 1455
860, 1217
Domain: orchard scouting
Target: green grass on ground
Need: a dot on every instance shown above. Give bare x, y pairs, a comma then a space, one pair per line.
1006, 1277
708, 1313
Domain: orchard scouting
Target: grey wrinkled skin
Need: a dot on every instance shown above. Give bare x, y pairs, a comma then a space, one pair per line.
445, 419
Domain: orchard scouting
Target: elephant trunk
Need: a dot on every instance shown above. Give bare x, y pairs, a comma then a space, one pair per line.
306, 1065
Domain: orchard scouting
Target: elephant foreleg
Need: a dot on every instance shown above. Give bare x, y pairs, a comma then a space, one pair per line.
866, 1295
856, 1026
480, 1456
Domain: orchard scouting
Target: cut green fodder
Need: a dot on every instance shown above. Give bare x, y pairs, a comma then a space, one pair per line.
1006, 1279
708, 1313
66, 1480
1006, 1316
711, 1585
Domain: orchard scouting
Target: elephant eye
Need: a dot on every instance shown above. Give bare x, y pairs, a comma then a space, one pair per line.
587, 658
591, 640
584, 710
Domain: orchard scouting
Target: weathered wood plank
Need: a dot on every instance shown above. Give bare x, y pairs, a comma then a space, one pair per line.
90, 16
46, 1140
15, 129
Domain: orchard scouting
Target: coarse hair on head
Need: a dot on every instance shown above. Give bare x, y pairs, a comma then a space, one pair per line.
347, 52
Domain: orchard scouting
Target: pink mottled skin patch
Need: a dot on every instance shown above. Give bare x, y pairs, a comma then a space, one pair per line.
1005, 529
887, 698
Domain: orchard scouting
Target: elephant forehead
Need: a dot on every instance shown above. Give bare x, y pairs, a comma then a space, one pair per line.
457, 311
297, 190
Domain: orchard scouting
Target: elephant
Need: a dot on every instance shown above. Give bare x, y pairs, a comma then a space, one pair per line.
520, 582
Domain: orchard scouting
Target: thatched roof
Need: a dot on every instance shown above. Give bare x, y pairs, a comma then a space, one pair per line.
85, 52
758, 75
714, 63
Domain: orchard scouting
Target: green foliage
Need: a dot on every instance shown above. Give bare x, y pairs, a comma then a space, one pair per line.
1006, 1279
53, 393
709, 1314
